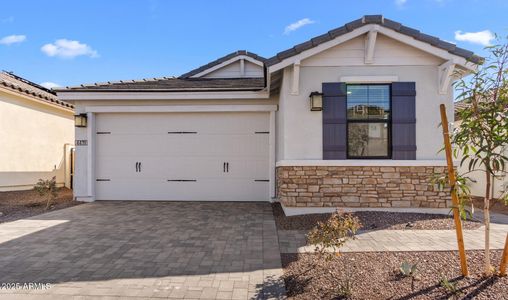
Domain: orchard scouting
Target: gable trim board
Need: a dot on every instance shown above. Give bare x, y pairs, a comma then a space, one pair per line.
119, 95
318, 169
240, 58
232, 57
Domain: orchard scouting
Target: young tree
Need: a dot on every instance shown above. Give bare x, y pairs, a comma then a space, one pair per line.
48, 189
482, 135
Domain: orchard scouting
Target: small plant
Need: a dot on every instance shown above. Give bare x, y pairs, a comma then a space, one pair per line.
409, 270
333, 233
345, 288
450, 287
47, 188
462, 190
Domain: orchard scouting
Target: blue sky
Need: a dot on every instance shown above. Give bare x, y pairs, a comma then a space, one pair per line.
73, 42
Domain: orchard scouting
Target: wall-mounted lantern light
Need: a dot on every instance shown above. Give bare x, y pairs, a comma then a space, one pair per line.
316, 101
80, 120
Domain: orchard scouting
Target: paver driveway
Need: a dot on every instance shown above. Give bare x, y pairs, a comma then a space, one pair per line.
205, 250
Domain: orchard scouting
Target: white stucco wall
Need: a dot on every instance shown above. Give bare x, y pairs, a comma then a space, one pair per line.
32, 141
301, 130
478, 181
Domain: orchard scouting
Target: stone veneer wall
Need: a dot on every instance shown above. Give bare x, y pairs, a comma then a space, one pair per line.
365, 186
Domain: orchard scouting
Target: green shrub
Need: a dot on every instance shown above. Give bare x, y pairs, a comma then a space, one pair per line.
333, 233
47, 188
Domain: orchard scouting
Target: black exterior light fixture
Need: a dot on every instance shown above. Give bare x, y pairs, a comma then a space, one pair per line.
80, 120
316, 101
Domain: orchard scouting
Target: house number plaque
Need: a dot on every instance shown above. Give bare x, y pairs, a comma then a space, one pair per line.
81, 142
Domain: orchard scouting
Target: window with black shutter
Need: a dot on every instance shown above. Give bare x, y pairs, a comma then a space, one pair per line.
369, 121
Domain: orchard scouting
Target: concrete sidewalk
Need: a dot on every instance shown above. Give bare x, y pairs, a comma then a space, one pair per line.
293, 241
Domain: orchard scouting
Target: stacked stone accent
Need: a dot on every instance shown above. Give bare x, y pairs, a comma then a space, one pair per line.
365, 186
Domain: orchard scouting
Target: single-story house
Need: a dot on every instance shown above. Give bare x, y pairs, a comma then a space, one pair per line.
477, 183
347, 119
36, 134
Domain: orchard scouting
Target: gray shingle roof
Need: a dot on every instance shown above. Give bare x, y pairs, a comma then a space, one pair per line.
374, 19
16, 83
172, 84
221, 60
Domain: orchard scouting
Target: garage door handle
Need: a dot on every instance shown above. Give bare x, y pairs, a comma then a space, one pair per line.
139, 166
227, 167
224, 167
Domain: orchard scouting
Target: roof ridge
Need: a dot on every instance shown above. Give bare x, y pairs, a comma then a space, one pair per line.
380, 20
94, 84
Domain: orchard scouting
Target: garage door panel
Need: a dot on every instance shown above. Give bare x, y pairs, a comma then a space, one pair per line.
253, 168
182, 156
130, 144
189, 167
200, 190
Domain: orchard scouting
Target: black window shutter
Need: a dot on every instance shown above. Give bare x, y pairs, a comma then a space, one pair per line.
403, 120
334, 120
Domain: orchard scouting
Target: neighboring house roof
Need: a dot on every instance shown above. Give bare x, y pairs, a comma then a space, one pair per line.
221, 60
19, 84
175, 85
380, 20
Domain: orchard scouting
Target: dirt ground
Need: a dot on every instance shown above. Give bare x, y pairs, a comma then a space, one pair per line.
17, 205
376, 275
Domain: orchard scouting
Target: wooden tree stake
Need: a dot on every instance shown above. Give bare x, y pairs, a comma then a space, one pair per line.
504, 259
455, 200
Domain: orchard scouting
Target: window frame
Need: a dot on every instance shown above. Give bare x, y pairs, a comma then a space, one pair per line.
381, 121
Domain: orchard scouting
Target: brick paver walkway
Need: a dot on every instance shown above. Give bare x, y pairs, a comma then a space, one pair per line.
144, 249
293, 241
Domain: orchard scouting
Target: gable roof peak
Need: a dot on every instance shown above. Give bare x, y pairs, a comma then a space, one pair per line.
221, 60
381, 21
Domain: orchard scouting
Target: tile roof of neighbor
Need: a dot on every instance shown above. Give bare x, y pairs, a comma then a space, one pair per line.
19, 84
185, 83
380, 20
221, 60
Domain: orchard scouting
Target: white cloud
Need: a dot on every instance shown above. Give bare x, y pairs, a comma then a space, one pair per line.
50, 85
400, 2
298, 24
68, 49
481, 37
12, 39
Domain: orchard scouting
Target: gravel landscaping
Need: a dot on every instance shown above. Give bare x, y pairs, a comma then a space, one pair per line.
376, 275
17, 205
373, 220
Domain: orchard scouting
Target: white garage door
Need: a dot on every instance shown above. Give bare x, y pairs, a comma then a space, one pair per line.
182, 156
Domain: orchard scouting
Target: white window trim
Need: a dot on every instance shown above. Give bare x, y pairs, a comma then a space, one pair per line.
369, 79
